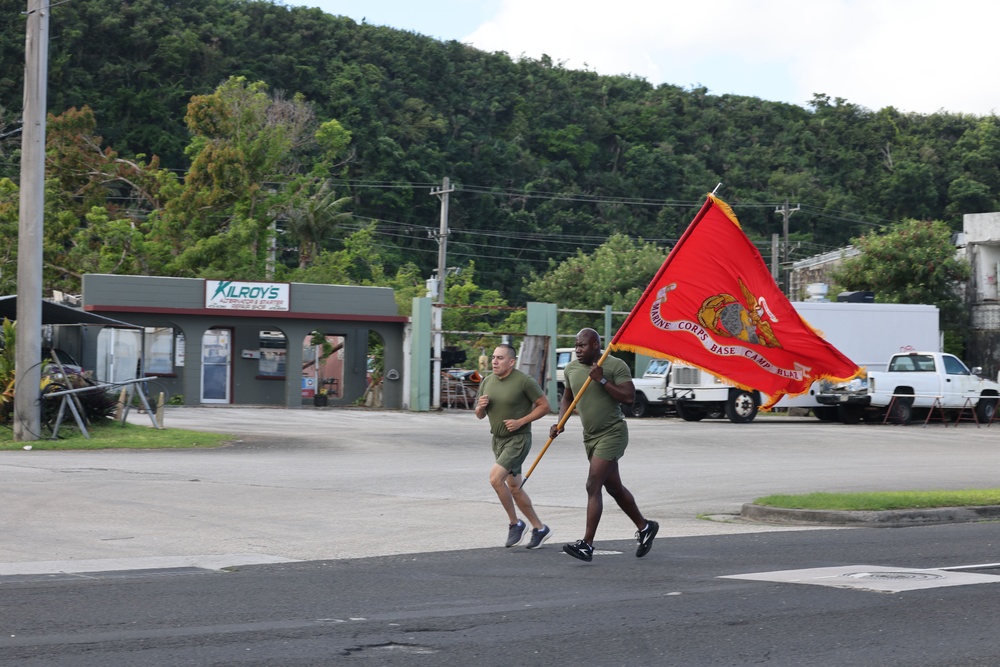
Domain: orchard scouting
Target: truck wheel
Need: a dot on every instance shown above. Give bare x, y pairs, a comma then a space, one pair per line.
640, 408
901, 411
850, 414
826, 413
742, 406
689, 414
986, 408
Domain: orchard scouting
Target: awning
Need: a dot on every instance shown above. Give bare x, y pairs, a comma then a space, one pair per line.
54, 313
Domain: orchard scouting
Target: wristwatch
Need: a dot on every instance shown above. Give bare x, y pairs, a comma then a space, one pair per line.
604, 381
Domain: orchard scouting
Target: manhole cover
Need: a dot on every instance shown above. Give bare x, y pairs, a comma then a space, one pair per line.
894, 576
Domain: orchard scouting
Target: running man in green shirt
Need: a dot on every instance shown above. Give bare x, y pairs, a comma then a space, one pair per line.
512, 400
605, 437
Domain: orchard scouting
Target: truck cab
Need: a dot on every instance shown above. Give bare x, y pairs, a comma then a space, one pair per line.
651, 389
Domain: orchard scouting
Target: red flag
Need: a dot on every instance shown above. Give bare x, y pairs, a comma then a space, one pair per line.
713, 304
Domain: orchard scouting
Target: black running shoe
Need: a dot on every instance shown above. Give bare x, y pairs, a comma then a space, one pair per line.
516, 533
580, 549
644, 538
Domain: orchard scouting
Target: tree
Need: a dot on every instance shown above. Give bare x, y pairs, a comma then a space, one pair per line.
243, 139
312, 217
462, 290
98, 204
914, 262
361, 261
615, 274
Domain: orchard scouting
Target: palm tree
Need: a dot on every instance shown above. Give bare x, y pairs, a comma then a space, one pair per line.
314, 219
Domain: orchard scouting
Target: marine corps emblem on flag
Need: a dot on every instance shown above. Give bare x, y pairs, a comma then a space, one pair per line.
723, 315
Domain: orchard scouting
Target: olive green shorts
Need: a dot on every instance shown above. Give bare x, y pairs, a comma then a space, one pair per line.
608, 445
511, 451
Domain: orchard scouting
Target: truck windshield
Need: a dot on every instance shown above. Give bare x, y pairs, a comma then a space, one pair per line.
657, 367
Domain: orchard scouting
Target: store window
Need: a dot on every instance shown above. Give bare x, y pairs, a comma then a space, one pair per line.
118, 352
272, 354
159, 351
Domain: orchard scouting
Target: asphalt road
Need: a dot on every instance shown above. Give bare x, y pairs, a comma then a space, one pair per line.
377, 539
496, 607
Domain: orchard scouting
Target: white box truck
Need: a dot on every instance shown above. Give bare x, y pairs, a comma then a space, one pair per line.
867, 333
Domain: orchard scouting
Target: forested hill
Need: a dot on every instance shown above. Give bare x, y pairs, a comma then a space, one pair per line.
544, 158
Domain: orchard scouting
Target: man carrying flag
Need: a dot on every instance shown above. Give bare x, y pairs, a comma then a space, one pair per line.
605, 437
712, 304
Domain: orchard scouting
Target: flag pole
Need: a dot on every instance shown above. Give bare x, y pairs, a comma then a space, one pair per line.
607, 348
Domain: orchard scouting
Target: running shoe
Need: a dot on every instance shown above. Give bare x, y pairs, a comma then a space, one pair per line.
580, 549
644, 538
539, 535
516, 533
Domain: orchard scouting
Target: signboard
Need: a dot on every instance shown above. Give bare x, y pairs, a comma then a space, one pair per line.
232, 295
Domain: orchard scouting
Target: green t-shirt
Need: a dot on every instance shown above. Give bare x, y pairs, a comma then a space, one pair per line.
511, 397
598, 410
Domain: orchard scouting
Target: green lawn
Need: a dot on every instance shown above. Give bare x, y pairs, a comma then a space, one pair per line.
885, 500
112, 435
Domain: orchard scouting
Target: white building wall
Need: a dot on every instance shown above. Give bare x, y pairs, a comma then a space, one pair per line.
981, 227
981, 235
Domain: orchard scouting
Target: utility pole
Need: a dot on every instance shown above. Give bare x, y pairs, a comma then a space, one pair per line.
438, 308
28, 347
774, 257
786, 213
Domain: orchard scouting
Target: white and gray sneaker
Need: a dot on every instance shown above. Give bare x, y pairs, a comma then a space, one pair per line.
516, 533
538, 536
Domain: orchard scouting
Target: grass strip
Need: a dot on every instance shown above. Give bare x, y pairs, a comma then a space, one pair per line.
112, 435
883, 500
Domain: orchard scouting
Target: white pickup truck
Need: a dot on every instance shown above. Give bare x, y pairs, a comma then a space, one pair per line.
921, 381
651, 389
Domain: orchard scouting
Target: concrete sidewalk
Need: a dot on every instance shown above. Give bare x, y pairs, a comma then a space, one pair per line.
341, 483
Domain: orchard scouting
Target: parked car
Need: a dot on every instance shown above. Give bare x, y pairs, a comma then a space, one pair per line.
65, 359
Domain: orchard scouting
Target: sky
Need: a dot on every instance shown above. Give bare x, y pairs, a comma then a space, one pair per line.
918, 56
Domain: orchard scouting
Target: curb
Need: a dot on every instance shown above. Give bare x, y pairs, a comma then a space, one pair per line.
880, 519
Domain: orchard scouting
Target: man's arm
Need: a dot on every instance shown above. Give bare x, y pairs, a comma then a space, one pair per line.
482, 401
538, 410
481, 404
623, 393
